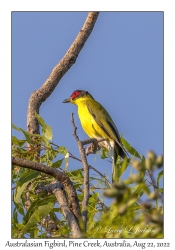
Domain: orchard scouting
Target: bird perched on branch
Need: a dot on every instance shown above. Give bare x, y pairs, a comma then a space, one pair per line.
97, 123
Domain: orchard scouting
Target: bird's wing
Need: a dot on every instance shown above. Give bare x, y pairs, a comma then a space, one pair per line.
103, 119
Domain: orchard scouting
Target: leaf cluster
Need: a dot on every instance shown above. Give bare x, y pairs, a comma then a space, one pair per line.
130, 208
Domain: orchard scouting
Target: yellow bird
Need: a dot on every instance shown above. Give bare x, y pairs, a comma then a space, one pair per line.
97, 123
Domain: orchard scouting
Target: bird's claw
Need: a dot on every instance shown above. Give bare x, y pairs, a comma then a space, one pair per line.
92, 149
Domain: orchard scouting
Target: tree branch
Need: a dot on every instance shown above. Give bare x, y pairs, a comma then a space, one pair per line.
40, 95
58, 190
27, 196
49, 224
86, 174
61, 177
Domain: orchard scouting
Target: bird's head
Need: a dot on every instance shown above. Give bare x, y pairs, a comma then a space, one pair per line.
77, 95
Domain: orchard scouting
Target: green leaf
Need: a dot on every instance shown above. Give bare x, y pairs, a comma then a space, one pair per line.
27, 177
48, 132
42, 211
22, 184
141, 189
45, 140
36, 204
42, 236
130, 149
116, 173
45, 209
104, 153
77, 172
57, 164
15, 216
16, 128
159, 177
19, 207
77, 179
160, 190
80, 197
26, 134
124, 166
94, 197
46, 129
37, 215
76, 176
21, 150
19, 191
35, 232
63, 150
64, 230
18, 142
40, 120
131, 180
54, 152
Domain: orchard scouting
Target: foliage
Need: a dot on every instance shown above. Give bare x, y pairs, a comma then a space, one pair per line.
136, 206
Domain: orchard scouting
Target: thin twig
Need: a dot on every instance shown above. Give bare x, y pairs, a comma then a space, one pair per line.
86, 174
104, 207
155, 187
76, 158
101, 175
152, 180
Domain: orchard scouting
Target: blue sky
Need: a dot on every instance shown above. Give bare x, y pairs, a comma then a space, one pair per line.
121, 65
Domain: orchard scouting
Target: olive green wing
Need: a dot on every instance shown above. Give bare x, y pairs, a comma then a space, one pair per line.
103, 119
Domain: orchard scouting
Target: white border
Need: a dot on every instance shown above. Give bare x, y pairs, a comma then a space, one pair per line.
5, 94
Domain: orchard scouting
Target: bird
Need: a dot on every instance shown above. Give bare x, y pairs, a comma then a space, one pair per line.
97, 123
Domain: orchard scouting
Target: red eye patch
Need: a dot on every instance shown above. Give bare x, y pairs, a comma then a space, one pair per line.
75, 94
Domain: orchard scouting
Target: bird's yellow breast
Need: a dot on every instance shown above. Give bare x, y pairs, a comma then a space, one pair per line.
90, 126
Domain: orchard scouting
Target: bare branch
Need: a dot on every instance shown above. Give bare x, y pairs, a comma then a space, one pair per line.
86, 174
49, 224
61, 177
152, 179
58, 190
90, 140
40, 95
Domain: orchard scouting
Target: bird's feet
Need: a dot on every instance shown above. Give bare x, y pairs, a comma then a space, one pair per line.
92, 148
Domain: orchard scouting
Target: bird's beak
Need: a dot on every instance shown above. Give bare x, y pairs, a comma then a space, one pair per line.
66, 100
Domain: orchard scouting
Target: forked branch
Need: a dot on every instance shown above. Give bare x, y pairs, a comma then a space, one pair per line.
59, 176
40, 95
